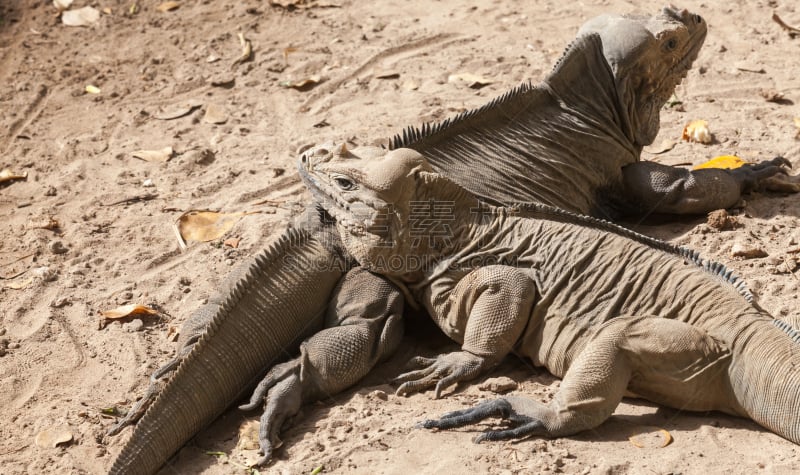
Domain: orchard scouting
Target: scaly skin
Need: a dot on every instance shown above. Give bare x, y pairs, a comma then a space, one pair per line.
602, 307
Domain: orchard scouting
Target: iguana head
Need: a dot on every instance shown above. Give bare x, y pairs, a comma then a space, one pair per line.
370, 192
649, 56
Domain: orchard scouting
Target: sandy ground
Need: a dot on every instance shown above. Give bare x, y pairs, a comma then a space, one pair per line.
381, 68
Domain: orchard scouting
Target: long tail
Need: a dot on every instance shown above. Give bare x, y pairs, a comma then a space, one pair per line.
765, 376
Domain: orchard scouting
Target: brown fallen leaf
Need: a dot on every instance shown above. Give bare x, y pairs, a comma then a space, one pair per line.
215, 114
793, 32
232, 242
128, 310
303, 84
247, 51
160, 156
204, 225
650, 437
472, 80
52, 438
175, 111
697, 131
7, 175
168, 6
665, 146
248, 436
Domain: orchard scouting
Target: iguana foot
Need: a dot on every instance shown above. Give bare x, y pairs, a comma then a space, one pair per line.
517, 410
751, 176
442, 371
282, 390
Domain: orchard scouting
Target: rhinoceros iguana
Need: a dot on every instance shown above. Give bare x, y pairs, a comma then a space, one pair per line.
602, 307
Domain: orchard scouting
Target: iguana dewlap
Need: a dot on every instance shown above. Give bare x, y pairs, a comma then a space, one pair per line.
602, 307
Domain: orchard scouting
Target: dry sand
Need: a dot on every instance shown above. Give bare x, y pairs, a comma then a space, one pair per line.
382, 67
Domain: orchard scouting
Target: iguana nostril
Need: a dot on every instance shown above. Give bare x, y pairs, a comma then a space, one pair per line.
697, 19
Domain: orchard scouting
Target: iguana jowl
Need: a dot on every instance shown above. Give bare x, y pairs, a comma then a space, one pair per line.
602, 307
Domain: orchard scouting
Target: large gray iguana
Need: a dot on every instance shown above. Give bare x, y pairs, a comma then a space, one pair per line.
364, 309
604, 308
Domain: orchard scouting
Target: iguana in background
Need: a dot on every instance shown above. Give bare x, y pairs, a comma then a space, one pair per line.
602, 307
574, 141
522, 143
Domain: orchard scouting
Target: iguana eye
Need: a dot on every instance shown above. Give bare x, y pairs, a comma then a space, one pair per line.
671, 44
344, 183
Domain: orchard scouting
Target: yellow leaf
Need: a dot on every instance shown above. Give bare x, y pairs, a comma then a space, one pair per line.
204, 226
723, 161
92, 89
650, 437
168, 6
128, 310
697, 131
8, 175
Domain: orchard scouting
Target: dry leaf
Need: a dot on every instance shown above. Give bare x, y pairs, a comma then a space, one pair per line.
168, 6
8, 175
161, 155
248, 436
649, 437
52, 438
92, 89
790, 29
204, 226
80, 17
232, 242
472, 80
665, 146
173, 333
387, 75
215, 114
128, 310
723, 161
247, 51
175, 111
286, 52
44, 222
303, 84
19, 284
697, 131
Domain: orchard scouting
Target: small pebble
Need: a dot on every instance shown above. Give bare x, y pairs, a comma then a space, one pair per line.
378, 394
57, 247
133, 326
747, 252
59, 302
45, 273
13, 346
148, 183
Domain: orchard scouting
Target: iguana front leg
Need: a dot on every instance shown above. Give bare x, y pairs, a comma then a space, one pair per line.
664, 360
363, 327
487, 310
655, 188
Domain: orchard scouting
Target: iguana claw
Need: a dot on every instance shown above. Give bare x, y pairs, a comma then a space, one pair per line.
282, 392
751, 176
441, 372
511, 408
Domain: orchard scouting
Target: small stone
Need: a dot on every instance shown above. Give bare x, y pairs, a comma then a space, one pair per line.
50, 191
51, 438
721, 220
2, 331
185, 281
2, 351
126, 295
13, 346
148, 183
133, 326
378, 394
59, 302
499, 385
3, 342
747, 251
45, 273
57, 247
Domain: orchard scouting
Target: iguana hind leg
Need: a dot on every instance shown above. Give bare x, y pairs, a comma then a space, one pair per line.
487, 310
666, 361
363, 327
